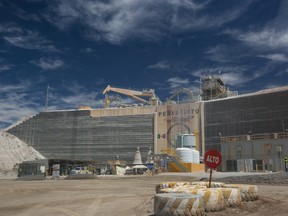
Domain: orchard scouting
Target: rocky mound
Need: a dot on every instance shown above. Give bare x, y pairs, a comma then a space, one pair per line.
14, 151
278, 178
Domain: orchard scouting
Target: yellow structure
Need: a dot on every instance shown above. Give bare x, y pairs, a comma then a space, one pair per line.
190, 167
85, 108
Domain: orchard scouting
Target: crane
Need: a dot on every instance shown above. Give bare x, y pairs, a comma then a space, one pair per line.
112, 99
153, 100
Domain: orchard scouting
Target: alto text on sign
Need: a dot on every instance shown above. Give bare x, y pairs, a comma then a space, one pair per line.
212, 159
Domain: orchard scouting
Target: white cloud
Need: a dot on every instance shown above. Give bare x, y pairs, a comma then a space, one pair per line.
270, 41
21, 87
222, 54
26, 39
176, 66
278, 57
26, 16
87, 50
10, 28
207, 20
82, 99
116, 21
162, 65
16, 102
231, 75
18, 11
236, 78
177, 82
10, 115
281, 72
5, 67
48, 64
270, 44
269, 38
76, 95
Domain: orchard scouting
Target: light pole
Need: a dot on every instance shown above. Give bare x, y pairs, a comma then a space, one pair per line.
279, 151
283, 127
252, 144
252, 151
47, 97
224, 161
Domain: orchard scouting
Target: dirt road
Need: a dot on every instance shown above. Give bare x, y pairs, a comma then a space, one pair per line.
129, 195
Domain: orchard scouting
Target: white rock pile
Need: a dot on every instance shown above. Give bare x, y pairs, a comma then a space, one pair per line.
12, 152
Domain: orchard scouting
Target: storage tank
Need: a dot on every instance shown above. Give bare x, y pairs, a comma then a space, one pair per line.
188, 155
186, 141
195, 156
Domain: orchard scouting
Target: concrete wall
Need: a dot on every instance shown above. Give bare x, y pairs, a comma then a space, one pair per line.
269, 152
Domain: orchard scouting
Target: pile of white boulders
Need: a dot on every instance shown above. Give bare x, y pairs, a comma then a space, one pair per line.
195, 198
14, 151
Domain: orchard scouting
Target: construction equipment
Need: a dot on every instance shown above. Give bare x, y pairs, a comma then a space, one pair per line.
112, 99
213, 88
153, 100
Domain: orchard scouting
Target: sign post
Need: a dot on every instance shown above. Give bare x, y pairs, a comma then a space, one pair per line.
286, 161
212, 160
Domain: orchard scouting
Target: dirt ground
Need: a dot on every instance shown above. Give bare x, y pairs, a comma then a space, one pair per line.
111, 195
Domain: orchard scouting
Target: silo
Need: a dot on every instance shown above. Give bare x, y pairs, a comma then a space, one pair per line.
188, 155
186, 141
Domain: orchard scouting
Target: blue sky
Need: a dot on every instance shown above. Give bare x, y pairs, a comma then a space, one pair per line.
78, 47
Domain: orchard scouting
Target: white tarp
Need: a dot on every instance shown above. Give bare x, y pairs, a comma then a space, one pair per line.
120, 170
139, 167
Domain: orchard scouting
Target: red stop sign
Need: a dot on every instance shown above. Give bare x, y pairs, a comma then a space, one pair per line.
212, 158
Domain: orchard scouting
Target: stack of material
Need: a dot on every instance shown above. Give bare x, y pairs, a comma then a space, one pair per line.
196, 198
14, 151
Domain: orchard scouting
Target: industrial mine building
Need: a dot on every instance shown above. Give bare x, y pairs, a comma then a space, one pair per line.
249, 130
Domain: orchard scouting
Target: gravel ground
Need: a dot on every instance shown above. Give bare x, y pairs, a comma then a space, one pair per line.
129, 195
279, 178
270, 200
272, 190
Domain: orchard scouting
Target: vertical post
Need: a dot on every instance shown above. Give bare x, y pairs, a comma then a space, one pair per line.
210, 178
286, 160
211, 93
283, 128
200, 91
202, 119
279, 151
47, 95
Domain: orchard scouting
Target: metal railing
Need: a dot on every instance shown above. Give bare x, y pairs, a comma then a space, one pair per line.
172, 158
280, 135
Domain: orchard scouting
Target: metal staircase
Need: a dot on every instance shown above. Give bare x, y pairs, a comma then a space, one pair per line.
173, 159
